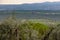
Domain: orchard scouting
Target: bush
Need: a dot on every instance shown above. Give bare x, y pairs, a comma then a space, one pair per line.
12, 29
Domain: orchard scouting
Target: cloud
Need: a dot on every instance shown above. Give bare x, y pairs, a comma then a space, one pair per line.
24, 1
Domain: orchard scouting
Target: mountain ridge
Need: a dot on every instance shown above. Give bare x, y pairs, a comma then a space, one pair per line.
32, 6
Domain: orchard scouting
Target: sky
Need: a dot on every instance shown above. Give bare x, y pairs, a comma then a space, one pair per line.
25, 1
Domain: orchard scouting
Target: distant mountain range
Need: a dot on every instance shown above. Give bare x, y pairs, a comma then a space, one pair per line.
33, 6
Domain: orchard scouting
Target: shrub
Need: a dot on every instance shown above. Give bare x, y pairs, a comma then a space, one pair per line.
12, 29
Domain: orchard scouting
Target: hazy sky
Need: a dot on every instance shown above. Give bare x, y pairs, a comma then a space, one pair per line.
24, 1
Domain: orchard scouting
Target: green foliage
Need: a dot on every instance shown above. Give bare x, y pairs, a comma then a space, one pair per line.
12, 29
